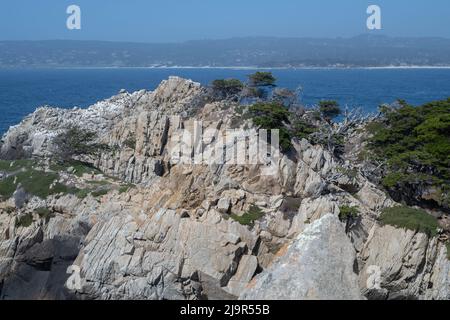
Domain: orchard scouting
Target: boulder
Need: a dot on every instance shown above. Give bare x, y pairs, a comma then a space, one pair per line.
318, 265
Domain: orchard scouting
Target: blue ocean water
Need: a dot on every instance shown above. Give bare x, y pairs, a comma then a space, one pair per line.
22, 91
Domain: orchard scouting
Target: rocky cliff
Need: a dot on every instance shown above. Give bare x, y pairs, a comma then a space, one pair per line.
143, 225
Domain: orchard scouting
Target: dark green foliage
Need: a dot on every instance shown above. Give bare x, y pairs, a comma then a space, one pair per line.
270, 116
409, 218
99, 193
227, 87
24, 220
249, 218
81, 194
79, 168
125, 188
302, 128
262, 79
329, 109
346, 212
76, 142
43, 183
415, 143
7, 187
11, 166
37, 182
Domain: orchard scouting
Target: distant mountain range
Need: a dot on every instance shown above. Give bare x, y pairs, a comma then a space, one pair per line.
360, 51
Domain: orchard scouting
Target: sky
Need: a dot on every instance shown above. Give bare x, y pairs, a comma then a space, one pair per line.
181, 20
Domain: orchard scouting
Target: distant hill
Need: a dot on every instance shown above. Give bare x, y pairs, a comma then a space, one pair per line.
360, 51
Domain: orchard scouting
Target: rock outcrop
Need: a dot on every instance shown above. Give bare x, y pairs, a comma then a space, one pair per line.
167, 229
318, 265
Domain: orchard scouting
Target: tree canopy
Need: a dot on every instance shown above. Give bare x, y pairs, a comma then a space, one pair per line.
415, 144
262, 79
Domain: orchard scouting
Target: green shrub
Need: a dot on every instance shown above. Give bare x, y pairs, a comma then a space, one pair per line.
346, 212
411, 219
14, 165
7, 188
262, 79
270, 116
302, 129
227, 87
83, 193
24, 220
125, 188
37, 182
249, 218
414, 142
99, 193
329, 109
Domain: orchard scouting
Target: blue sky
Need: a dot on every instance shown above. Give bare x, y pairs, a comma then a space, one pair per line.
180, 20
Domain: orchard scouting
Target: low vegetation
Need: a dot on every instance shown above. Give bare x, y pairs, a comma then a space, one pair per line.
347, 212
75, 167
273, 108
227, 87
42, 183
272, 116
329, 109
125, 188
262, 79
12, 166
24, 221
248, 218
411, 219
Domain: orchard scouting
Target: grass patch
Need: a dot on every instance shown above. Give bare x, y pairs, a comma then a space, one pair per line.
25, 220
11, 166
125, 188
79, 168
34, 182
411, 219
38, 182
99, 193
346, 212
249, 218
7, 187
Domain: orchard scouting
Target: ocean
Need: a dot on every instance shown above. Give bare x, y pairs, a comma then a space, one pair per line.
22, 91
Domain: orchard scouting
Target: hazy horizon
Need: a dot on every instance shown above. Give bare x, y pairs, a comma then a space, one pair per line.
231, 38
176, 21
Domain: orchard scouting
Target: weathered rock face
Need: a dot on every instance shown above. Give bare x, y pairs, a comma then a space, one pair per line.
319, 265
407, 264
174, 235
